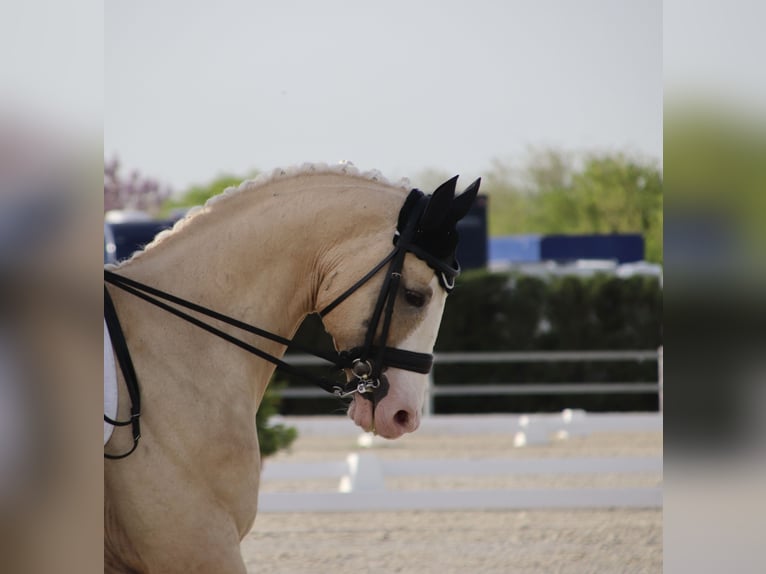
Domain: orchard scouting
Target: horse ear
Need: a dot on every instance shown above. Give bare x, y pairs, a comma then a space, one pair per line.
439, 205
406, 210
464, 201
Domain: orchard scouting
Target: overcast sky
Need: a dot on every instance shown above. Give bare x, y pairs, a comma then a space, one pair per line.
195, 89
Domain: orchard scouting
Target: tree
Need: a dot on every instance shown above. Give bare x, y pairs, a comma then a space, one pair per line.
132, 192
618, 195
554, 192
199, 194
272, 437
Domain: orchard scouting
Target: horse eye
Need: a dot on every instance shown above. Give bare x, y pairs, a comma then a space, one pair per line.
414, 298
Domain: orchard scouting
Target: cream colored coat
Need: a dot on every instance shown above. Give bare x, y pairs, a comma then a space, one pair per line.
267, 253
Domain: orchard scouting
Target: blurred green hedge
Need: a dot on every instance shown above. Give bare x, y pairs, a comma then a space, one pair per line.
507, 312
490, 311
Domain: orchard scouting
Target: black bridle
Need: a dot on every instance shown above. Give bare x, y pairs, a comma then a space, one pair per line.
367, 362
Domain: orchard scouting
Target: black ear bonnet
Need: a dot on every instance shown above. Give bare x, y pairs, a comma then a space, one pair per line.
436, 236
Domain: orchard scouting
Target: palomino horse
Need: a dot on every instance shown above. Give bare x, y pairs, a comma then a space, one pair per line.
314, 239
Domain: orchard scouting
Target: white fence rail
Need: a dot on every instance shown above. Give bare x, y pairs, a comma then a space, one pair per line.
517, 357
386, 500
478, 389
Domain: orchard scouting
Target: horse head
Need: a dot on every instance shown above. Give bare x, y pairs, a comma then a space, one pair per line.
387, 322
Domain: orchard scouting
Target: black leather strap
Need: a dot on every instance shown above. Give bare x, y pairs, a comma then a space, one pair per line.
369, 275
128, 372
395, 358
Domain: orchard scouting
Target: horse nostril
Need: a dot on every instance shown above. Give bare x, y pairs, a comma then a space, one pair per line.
402, 418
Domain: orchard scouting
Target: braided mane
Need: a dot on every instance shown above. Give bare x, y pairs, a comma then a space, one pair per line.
261, 181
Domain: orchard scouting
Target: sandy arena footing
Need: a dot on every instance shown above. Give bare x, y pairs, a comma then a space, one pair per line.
616, 539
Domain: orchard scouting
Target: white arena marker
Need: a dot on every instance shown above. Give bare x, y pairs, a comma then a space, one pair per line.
365, 440
573, 423
364, 474
532, 431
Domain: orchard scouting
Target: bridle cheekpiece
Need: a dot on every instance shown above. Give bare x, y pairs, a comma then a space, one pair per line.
368, 362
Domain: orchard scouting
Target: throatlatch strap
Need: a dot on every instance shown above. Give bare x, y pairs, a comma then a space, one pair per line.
369, 275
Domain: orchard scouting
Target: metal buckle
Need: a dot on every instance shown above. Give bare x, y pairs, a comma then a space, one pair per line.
363, 386
338, 392
361, 369
367, 386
